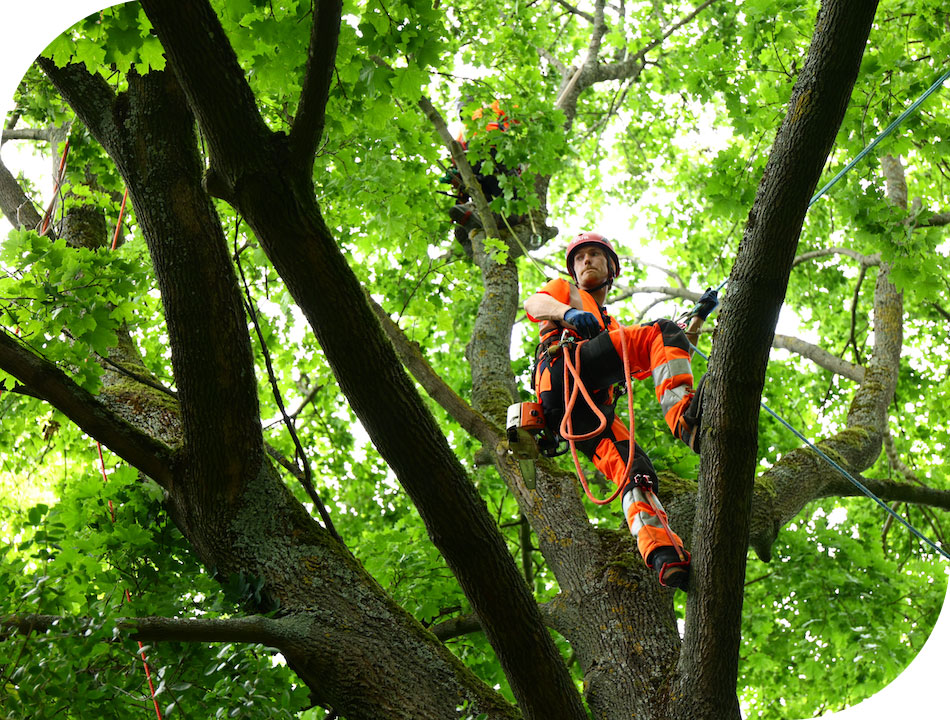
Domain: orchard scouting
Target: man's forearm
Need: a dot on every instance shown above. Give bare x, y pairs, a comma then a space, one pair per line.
542, 306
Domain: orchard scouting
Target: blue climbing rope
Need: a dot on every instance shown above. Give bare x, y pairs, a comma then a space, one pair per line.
857, 483
860, 156
854, 481
887, 131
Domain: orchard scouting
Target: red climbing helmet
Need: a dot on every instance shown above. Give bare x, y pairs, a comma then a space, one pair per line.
592, 238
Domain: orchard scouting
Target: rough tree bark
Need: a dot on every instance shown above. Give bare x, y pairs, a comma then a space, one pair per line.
356, 649
249, 167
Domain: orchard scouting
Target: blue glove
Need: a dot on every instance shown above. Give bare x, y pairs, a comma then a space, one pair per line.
707, 303
584, 321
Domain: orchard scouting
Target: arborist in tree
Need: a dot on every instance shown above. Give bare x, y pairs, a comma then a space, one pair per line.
572, 319
463, 213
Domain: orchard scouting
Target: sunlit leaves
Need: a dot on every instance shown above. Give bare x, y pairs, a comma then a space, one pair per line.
56, 290
830, 595
119, 37
73, 559
686, 143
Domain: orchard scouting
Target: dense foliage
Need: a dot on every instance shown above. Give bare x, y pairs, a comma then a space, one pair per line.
665, 158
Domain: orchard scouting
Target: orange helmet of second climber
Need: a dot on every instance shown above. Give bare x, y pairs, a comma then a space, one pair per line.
592, 238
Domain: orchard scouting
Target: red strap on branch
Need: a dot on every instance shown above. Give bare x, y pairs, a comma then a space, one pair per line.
118, 225
57, 184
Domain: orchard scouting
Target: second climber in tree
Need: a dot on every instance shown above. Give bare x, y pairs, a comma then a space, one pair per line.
660, 349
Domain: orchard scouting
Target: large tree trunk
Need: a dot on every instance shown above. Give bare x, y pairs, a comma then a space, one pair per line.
257, 173
355, 648
708, 667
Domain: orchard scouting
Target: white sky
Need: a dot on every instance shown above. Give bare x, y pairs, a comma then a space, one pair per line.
27, 27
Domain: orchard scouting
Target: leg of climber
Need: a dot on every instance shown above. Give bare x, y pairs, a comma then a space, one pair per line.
646, 518
659, 349
662, 348
609, 453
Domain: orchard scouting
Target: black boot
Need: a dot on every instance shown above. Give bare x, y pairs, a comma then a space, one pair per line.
671, 570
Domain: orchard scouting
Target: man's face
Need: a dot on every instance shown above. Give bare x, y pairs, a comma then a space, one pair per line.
591, 266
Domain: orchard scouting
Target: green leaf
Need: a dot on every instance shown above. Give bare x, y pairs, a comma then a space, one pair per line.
152, 55
90, 53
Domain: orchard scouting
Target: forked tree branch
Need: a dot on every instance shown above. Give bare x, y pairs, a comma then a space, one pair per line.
630, 66
284, 214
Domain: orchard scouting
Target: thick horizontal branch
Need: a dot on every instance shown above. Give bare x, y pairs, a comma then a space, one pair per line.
255, 629
622, 293
938, 220
456, 627
891, 491
468, 624
820, 357
41, 134
43, 380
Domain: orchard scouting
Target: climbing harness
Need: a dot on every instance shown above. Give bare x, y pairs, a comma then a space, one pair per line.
573, 387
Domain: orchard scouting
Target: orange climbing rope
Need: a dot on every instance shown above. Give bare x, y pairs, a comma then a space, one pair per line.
128, 598
118, 225
102, 466
574, 386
